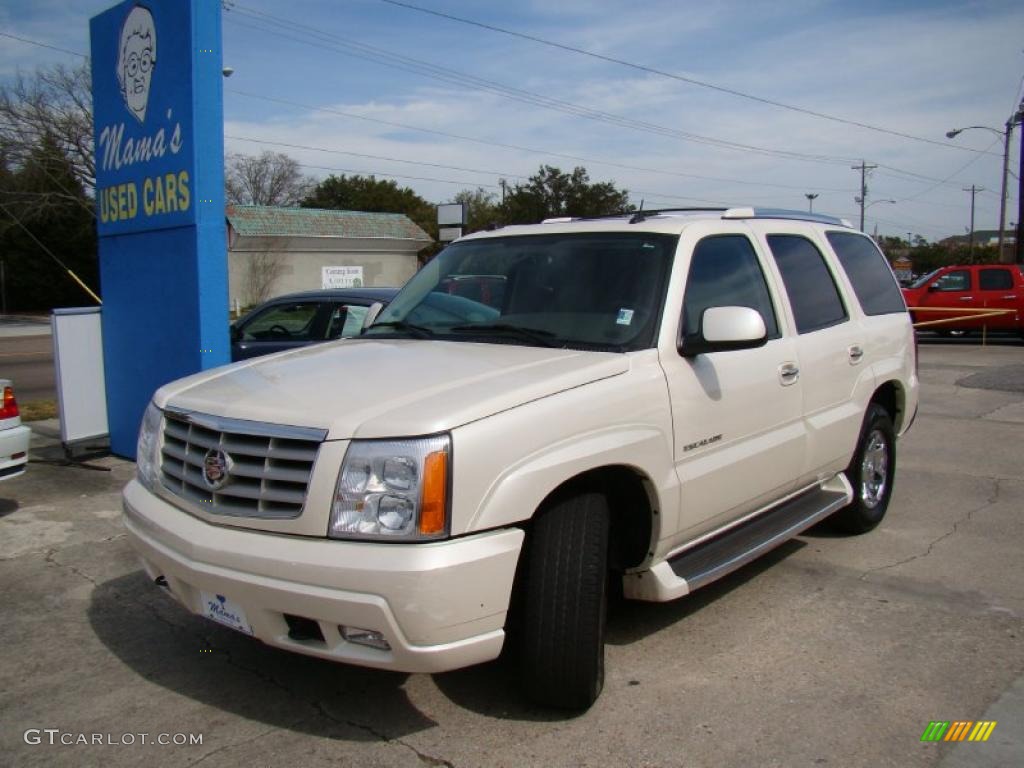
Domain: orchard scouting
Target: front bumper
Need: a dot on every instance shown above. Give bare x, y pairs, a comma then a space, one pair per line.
440, 605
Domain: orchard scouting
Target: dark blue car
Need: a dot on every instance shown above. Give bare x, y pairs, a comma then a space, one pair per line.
299, 319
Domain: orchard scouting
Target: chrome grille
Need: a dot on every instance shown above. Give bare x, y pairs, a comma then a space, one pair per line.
271, 464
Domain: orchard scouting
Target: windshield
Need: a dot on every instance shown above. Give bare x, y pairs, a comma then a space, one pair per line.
922, 280
599, 291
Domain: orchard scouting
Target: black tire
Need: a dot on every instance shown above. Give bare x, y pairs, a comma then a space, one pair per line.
871, 473
565, 589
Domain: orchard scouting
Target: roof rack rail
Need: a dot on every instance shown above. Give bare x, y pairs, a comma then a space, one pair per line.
745, 212
638, 216
783, 213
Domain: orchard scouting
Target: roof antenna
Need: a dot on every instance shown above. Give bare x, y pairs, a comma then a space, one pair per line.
639, 215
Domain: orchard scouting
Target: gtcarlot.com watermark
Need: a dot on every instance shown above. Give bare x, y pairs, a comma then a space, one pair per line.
57, 737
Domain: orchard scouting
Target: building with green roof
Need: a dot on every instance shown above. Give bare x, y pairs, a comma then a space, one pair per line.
274, 250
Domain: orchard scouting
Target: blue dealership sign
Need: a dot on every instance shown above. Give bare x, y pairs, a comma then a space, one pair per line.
142, 70
158, 113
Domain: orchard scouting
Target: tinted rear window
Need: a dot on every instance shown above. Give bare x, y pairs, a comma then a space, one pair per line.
995, 279
812, 291
869, 272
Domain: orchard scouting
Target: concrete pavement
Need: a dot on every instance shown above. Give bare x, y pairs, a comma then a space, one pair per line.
830, 651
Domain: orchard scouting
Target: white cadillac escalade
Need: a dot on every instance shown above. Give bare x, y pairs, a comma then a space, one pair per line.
543, 411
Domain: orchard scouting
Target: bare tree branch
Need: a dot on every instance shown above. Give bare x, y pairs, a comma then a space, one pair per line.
53, 103
264, 269
271, 178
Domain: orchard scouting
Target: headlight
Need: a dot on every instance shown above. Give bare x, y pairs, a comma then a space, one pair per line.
147, 454
395, 490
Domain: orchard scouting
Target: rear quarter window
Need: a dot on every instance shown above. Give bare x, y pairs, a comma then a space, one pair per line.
869, 273
995, 279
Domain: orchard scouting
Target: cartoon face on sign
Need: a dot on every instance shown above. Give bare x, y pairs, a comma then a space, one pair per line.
136, 59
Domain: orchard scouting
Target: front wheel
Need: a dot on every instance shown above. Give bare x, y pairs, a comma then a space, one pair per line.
871, 473
562, 651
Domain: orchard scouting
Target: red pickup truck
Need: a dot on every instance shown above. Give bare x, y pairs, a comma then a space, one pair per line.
973, 287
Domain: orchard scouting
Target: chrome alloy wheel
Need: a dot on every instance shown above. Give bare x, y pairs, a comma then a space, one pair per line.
874, 470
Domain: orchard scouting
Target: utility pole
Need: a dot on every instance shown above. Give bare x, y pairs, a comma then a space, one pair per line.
810, 200
1019, 118
862, 198
1002, 195
973, 190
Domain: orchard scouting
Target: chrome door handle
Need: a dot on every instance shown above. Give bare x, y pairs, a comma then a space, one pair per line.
788, 374
966, 298
856, 352
1011, 296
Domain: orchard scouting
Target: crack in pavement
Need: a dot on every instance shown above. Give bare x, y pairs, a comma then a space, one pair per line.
992, 500
51, 559
423, 756
242, 743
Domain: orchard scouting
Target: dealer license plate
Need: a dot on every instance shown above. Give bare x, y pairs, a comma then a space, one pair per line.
225, 611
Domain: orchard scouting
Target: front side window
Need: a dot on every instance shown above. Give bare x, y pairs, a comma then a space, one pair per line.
995, 279
869, 273
957, 280
812, 291
724, 272
600, 291
283, 322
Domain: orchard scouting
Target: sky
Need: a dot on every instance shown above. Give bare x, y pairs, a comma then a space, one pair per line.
441, 105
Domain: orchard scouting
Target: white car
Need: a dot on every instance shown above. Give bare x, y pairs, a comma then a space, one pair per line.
14, 436
656, 398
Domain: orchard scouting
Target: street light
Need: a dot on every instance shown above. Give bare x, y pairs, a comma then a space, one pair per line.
810, 200
1006, 134
876, 202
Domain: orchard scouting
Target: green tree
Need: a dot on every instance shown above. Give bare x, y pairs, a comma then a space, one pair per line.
43, 194
551, 193
482, 208
367, 193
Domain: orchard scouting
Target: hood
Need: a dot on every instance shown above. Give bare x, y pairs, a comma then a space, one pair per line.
388, 387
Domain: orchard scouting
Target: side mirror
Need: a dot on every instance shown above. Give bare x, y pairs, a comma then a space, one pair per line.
371, 315
724, 329
236, 333
933, 287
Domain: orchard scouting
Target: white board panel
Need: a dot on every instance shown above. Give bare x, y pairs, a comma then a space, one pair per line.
81, 387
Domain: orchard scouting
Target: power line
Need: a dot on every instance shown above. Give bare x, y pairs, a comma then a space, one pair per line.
517, 147
331, 42
338, 44
42, 45
379, 157
674, 76
943, 181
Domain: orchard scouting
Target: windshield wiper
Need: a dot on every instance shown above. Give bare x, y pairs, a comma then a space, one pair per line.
543, 338
419, 331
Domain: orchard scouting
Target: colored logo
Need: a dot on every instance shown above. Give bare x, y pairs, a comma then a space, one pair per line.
216, 469
136, 58
958, 730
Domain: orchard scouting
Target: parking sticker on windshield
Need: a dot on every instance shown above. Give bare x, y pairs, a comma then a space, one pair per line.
625, 317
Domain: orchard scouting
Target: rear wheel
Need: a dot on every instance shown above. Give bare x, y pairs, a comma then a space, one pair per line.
562, 633
871, 473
